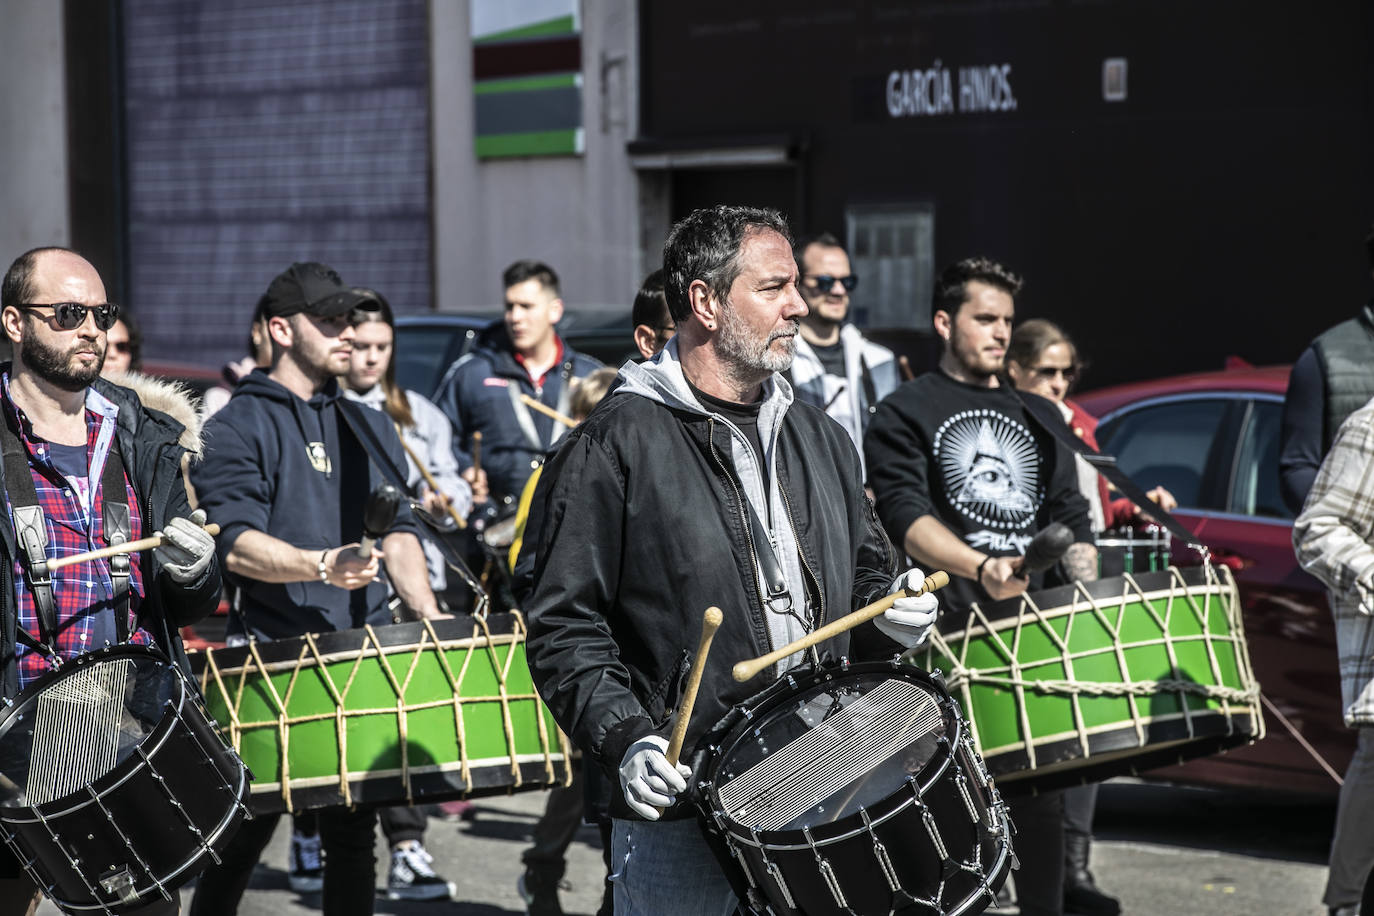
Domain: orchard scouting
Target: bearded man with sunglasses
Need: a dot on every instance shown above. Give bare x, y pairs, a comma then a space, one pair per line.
98, 454
836, 368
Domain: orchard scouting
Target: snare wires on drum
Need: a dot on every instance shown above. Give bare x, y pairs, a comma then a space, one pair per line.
825, 760
77, 731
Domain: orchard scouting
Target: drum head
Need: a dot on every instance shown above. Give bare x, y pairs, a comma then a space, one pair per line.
74, 725
840, 743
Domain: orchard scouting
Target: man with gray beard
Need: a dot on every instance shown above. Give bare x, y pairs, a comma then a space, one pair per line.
699, 481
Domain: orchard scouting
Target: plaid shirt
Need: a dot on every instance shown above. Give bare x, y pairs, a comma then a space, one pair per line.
1334, 540
83, 593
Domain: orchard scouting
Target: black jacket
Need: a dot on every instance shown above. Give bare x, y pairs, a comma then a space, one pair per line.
645, 528
151, 444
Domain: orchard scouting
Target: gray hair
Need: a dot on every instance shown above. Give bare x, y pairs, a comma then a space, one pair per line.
705, 246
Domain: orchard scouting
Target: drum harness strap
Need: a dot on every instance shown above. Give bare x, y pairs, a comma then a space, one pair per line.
526, 420
1106, 466
376, 453
32, 532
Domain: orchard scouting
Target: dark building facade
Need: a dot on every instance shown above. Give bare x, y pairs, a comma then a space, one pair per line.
1177, 181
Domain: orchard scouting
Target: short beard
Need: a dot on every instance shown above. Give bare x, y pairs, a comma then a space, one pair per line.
977, 371
55, 367
750, 357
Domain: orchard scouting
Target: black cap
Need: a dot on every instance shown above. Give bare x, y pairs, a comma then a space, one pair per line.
308, 287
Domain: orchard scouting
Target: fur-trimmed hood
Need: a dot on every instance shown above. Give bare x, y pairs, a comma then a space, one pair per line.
169, 397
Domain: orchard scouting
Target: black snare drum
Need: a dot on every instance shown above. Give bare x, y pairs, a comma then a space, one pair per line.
115, 788
857, 790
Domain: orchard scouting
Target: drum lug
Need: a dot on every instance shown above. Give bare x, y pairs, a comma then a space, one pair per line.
120, 884
880, 852
827, 872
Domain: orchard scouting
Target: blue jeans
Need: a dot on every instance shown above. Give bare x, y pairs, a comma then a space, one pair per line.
665, 868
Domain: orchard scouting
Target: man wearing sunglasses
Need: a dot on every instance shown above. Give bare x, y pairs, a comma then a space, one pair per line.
287, 478
836, 368
103, 462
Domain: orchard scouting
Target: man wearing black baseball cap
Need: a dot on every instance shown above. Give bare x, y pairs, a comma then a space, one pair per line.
287, 480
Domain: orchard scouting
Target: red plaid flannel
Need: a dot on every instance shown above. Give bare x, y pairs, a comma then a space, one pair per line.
82, 593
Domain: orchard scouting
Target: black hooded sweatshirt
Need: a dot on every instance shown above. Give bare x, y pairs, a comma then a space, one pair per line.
292, 469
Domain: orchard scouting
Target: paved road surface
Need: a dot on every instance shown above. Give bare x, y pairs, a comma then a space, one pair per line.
1165, 851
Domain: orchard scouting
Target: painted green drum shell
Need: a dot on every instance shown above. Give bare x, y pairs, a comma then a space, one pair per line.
423, 711
1084, 682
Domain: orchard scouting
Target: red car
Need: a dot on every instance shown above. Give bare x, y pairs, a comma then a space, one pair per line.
1212, 439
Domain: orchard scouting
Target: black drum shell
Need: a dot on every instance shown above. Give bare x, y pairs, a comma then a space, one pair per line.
182, 771
848, 845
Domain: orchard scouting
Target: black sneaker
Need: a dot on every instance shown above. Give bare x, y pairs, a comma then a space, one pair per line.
412, 878
539, 893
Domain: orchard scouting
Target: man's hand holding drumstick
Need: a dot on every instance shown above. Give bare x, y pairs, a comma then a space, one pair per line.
184, 547
650, 774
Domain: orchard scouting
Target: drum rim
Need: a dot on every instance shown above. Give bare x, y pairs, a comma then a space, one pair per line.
392, 636
123, 771
38, 686
946, 752
1107, 588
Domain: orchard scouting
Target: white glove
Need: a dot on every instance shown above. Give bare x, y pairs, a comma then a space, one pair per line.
909, 620
186, 549
648, 780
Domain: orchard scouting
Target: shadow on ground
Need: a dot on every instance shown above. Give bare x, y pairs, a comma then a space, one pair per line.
1246, 822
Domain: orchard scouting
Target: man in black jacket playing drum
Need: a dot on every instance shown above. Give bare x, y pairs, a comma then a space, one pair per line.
76, 432
648, 523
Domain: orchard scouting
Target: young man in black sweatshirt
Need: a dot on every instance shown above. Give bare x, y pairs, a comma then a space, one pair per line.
964, 477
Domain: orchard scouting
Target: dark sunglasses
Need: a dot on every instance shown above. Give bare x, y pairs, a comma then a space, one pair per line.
1070, 373
72, 315
825, 283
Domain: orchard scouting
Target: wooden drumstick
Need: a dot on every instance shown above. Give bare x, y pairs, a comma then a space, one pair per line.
547, 411
710, 621
476, 453
905, 365
747, 669
429, 479
130, 547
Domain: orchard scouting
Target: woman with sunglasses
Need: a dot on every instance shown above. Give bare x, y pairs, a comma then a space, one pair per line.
1042, 359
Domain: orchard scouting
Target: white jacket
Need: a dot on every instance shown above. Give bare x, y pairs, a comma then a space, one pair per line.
846, 400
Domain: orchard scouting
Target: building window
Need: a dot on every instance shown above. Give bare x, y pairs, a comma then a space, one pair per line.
892, 249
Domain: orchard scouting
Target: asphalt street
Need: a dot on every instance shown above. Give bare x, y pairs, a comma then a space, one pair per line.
1164, 850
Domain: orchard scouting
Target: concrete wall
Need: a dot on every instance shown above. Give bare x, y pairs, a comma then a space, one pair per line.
33, 140
577, 213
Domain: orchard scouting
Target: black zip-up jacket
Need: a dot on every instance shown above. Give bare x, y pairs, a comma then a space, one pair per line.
645, 528
151, 444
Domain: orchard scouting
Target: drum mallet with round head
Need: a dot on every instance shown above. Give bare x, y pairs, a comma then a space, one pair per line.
379, 514
747, 669
1044, 550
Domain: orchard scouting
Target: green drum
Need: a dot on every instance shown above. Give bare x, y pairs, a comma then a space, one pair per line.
421, 711
1098, 679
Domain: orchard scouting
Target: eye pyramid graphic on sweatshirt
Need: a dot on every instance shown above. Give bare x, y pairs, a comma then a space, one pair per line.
991, 468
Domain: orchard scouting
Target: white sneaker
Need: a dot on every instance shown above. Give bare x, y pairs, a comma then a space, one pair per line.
412, 878
305, 870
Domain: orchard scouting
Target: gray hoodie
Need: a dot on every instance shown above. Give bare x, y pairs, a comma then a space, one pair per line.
662, 380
